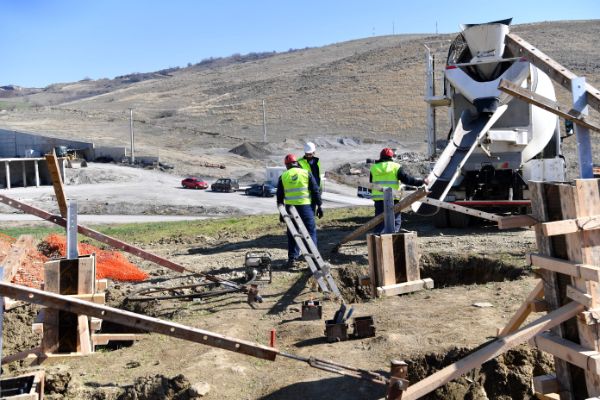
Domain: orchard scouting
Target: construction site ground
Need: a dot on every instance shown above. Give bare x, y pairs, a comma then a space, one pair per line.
428, 329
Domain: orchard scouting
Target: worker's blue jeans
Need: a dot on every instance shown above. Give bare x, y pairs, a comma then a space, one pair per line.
379, 210
308, 217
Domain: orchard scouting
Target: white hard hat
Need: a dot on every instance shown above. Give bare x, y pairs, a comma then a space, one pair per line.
309, 147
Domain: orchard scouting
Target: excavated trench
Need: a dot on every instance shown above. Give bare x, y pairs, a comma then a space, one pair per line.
505, 377
456, 270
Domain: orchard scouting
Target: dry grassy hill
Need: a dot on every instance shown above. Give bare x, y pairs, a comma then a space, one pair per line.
367, 88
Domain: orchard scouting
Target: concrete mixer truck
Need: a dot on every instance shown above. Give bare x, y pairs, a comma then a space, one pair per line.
496, 143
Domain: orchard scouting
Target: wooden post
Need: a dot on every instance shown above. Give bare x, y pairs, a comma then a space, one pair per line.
57, 182
540, 211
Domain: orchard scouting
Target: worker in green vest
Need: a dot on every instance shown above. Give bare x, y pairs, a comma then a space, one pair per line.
312, 164
387, 173
297, 188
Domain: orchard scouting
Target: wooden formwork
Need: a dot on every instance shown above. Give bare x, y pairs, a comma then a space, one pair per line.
394, 264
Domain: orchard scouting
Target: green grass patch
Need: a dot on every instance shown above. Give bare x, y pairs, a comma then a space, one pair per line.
146, 233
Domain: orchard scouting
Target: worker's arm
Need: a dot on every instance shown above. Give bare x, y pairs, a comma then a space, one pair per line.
315, 192
280, 194
407, 179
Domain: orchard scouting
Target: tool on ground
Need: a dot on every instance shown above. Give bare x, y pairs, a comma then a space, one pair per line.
308, 249
311, 310
258, 264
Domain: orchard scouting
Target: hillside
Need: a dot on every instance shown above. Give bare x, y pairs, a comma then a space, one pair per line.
367, 88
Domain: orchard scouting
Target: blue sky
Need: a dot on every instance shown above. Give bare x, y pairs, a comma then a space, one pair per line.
50, 41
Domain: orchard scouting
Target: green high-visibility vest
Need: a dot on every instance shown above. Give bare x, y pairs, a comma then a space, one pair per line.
306, 166
384, 174
295, 186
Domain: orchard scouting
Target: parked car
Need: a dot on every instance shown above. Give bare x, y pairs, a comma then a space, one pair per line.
225, 185
261, 190
194, 183
363, 192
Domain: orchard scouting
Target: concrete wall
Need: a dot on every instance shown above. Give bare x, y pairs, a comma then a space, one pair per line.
16, 144
16, 177
116, 153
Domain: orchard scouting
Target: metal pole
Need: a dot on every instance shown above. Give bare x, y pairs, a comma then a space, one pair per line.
264, 122
131, 136
1, 316
389, 220
584, 144
72, 253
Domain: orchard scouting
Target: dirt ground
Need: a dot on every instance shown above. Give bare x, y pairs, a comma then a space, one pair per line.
428, 329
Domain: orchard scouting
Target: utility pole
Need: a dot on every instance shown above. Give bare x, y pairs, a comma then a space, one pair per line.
393, 28
264, 122
132, 159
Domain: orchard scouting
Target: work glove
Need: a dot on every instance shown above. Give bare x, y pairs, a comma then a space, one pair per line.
319, 212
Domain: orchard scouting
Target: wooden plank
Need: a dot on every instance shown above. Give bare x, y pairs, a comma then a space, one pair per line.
21, 355
373, 222
571, 225
549, 396
101, 339
545, 384
137, 321
462, 210
86, 274
491, 350
101, 285
516, 221
411, 256
545, 103
578, 296
573, 353
95, 324
50, 340
558, 73
406, 287
372, 253
57, 182
385, 260
16, 255
524, 310
576, 270
96, 298
84, 343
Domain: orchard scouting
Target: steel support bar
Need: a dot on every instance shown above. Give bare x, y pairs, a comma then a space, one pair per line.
584, 141
545, 103
138, 321
556, 71
118, 244
72, 251
372, 223
461, 209
389, 219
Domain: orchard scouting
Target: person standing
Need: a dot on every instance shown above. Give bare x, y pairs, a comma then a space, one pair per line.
297, 188
311, 163
387, 173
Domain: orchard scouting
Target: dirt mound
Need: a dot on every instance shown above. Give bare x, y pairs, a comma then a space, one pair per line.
158, 387
109, 264
251, 150
504, 378
30, 272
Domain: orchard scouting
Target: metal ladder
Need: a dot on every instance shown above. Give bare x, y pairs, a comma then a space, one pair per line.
308, 249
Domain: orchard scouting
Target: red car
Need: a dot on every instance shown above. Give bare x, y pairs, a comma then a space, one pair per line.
194, 183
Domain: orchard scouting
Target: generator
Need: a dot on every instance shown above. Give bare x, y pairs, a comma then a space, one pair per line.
258, 267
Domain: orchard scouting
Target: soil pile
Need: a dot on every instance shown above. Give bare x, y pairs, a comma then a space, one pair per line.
109, 264
158, 387
250, 150
30, 271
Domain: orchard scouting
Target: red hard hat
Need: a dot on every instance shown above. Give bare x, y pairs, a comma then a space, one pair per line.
387, 152
290, 158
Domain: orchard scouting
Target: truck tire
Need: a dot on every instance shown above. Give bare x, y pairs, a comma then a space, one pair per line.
458, 220
440, 219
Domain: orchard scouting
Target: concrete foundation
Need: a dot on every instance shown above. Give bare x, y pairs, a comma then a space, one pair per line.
29, 145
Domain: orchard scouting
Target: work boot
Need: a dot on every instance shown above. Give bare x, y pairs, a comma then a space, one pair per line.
292, 263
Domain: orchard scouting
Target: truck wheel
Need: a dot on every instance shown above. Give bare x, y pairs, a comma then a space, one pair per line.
440, 219
458, 220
